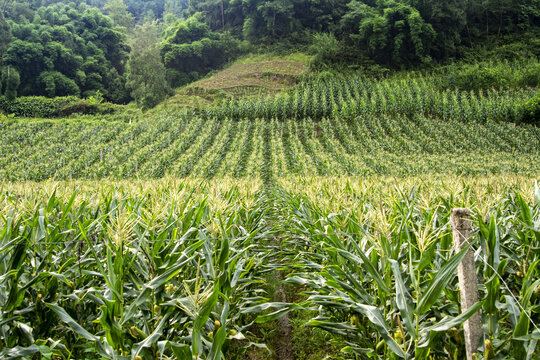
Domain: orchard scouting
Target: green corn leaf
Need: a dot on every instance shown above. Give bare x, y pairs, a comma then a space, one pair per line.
437, 285
180, 351
159, 281
78, 329
522, 326
375, 317
525, 211
152, 338
513, 310
217, 344
201, 318
448, 323
19, 352
403, 299
367, 265
534, 335
537, 192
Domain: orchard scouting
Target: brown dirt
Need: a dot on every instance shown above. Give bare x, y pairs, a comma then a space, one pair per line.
283, 346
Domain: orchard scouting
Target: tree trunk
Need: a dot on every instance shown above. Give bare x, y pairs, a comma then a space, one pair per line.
222, 16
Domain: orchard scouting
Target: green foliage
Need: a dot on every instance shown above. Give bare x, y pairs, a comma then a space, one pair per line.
35, 106
370, 278
43, 107
57, 84
117, 11
68, 49
389, 31
192, 284
95, 99
11, 80
327, 50
147, 74
194, 48
5, 35
531, 110
492, 75
331, 126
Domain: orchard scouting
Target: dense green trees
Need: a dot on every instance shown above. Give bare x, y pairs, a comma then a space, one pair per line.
68, 50
11, 80
117, 11
193, 49
392, 32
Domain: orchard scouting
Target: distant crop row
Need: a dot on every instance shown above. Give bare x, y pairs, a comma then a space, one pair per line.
192, 146
340, 97
332, 125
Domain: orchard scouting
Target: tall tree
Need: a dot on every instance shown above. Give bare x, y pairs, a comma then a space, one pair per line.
449, 20
4, 4
146, 72
68, 49
392, 32
117, 11
12, 80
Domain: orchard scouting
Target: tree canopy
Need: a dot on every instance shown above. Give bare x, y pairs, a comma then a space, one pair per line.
68, 49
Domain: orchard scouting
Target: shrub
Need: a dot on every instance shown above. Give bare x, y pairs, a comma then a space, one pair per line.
474, 78
487, 75
327, 50
35, 106
530, 76
530, 110
39, 106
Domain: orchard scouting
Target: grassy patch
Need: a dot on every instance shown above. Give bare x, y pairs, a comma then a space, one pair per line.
255, 75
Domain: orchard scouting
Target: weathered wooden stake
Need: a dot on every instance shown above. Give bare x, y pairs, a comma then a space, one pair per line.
468, 282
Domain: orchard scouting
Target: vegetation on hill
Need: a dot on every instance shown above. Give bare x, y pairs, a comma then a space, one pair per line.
52, 48
331, 125
259, 76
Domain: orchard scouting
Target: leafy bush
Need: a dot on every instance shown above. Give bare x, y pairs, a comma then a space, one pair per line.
39, 106
530, 76
35, 106
327, 50
489, 75
530, 110
195, 50
474, 78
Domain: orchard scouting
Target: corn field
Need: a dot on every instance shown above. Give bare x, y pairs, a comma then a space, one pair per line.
165, 238
179, 268
401, 126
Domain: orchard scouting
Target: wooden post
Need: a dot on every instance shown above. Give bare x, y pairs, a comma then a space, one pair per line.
468, 282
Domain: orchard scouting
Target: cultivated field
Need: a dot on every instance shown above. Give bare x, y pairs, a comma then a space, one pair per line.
350, 126
304, 225
171, 268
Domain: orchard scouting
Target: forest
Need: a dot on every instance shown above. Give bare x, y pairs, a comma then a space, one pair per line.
124, 50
